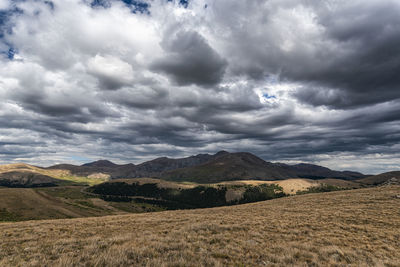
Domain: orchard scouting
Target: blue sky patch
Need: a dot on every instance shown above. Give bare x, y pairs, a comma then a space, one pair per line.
6, 49
267, 96
79, 158
135, 6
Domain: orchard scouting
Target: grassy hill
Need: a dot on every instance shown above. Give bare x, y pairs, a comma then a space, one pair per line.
59, 202
25, 175
344, 228
19, 204
380, 178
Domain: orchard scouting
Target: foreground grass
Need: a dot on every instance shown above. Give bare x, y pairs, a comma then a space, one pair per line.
344, 228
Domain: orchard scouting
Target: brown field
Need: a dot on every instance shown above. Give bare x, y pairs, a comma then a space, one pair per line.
20, 204
290, 186
344, 228
340, 183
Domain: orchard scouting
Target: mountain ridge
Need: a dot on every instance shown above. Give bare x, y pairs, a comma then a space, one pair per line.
210, 168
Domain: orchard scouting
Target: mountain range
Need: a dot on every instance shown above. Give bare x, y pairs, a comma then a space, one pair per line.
207, 168
202, 168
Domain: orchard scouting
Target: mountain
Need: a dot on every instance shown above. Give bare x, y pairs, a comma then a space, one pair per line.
152, 168
101, 164
243, 166
311, 171
100, 168
156, 167
227, 167
222, 166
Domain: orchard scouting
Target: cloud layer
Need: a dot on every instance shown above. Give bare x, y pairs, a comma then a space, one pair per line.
131, 80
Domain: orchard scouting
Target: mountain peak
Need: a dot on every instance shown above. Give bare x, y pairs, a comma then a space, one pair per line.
100, 163
221, 153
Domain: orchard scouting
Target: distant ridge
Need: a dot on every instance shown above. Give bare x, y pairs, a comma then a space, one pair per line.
202, 168
311, 171
206, 168
243, 165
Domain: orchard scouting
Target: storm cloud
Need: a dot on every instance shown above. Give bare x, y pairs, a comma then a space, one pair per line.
190, 60
129, 81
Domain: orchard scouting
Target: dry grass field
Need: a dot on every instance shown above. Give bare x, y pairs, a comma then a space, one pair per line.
289, 186
344, 228
20, 204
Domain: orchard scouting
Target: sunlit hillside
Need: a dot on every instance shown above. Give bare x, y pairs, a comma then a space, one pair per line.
21, 169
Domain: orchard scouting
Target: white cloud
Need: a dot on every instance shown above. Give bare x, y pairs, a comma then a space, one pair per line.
110, 70
4, 4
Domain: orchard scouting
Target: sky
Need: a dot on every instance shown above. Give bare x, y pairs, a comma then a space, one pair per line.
290, 81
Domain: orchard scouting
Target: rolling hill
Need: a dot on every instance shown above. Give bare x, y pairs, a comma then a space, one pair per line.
26, 179
25, 175
380, 178
20, 204
344, 228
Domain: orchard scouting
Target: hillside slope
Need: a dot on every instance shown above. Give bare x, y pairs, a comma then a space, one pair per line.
361, 230
25, 175
19, 204
26, 179
380, 178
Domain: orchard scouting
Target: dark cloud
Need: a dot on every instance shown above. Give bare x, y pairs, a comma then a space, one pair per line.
190, 60
351, 59
287, 80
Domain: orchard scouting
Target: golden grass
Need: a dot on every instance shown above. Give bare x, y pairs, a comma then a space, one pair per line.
54, 173
341, 183
344, 228
28, 203
21, 204
290, 186
81, 179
